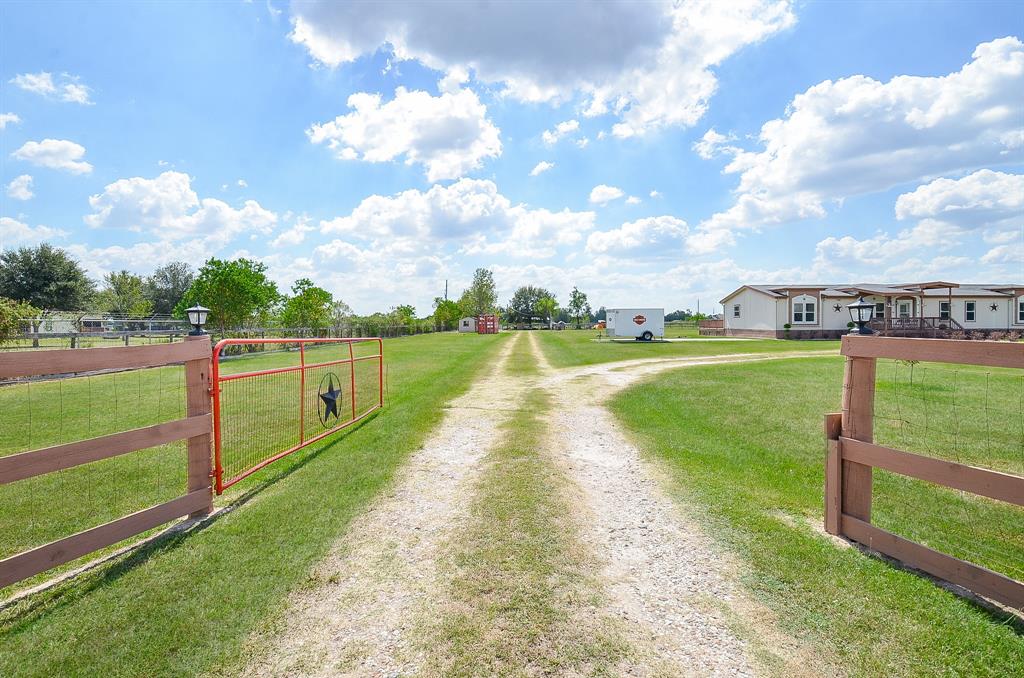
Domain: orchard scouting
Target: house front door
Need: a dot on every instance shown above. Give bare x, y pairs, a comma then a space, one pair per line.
903, 309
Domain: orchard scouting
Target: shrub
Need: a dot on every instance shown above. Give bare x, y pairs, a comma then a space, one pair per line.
13, 317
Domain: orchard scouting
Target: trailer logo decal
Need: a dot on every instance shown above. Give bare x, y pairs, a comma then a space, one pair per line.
639, 319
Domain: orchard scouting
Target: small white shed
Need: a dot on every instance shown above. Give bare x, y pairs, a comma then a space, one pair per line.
467, 325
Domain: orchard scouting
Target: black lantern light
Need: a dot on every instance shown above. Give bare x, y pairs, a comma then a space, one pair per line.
197, 318
861, 312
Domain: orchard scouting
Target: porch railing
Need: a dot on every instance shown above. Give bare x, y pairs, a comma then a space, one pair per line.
922, 326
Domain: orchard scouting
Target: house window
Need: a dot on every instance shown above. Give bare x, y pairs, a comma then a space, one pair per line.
1020, 310
804, 309
970, 311
943, 310
903, 309
879, 309
735, 310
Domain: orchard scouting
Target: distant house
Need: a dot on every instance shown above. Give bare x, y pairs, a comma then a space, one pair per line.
930, 309
467, 325
559, 325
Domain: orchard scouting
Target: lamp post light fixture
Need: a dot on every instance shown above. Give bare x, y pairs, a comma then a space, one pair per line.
861, 312
197, 318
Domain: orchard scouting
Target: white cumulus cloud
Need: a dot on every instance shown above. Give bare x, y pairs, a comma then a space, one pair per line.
541, 167
449, 134
602, 194
8, 119
551, 136
470, 213
168, 207
65, 87
16, 233
651, 236
295, 235
57, 154
713, 143
857, 135
952, 213
648, 64
20, 188
982, 198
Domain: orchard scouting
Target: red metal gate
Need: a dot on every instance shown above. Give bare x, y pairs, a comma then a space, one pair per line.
262, 415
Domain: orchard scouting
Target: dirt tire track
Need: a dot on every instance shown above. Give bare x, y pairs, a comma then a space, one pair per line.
353, 617
676, 593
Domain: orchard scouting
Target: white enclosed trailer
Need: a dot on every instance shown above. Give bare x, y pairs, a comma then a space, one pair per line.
640, 323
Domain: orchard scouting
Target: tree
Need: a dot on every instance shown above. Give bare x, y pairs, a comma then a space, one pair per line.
235, 291
679, 315
308, 307
481, 296
403, 315
340, 312
579, 308
446, 312
124, 294
168, 285
13, 317
601, 314
523, 305
45, 277
546, 307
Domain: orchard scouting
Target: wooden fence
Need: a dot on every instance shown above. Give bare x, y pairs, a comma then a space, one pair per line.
852, 455
195, 427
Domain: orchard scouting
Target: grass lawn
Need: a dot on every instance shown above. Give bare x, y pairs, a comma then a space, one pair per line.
569, 348
744, 444
186, 604
675, 329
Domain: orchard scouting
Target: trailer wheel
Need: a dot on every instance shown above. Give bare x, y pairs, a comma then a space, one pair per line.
647, 336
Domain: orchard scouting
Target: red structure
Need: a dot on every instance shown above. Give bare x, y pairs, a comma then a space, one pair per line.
263, 415
487, 324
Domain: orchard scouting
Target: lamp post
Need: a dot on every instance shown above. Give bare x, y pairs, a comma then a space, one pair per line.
861, 312
197, 318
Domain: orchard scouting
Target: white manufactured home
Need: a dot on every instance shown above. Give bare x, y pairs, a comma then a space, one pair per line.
931, 309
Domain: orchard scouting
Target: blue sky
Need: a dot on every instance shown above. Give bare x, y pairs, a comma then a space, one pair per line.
381, 149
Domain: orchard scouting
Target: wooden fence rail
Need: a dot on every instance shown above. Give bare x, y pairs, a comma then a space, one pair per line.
852, 455
195, 428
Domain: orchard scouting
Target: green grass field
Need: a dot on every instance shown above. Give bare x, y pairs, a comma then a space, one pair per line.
570, 348
186, 604
743, 446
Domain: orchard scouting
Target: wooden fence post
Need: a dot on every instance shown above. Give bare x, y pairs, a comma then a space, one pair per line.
858, 423
197, 398
833, 474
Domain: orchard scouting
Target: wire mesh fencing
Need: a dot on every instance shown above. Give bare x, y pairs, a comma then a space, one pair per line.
270, 404
926, 461
964, 414
67, 468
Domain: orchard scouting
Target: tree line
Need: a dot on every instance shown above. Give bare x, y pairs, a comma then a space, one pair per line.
41, 280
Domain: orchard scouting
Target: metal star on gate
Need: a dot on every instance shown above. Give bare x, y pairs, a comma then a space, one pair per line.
330, 398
